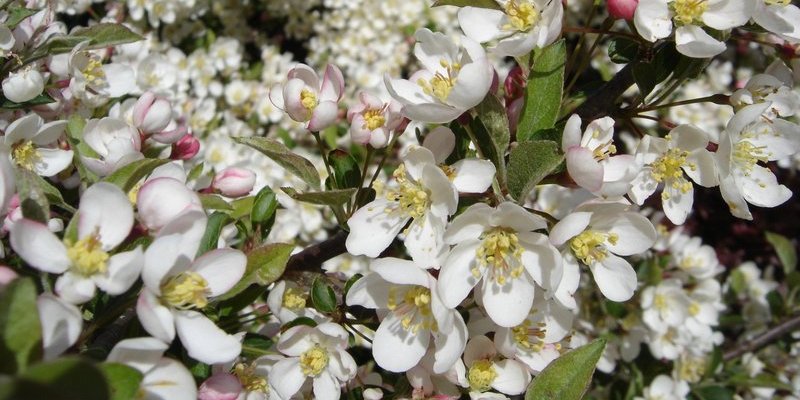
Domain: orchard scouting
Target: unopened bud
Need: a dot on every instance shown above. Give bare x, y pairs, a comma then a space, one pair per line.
220, 387
234, 182
185, 148
151, 114
24, 85
622, 9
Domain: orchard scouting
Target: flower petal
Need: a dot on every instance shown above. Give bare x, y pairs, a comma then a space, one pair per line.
221, 268
74, 288
106, 211
61, 324
508, 305
52, 161
396, 349
373, 227
615, 278
286, 377
203, 340
473, 175
584, 169
122, 271
39, 247
141, 353
156, 319
455, 277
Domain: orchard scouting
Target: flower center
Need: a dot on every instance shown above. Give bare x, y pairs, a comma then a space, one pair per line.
250, 381
442, 82
694, 309
529, 337
87, 255
294, 299
93, 71
308, 99
500, 250
689, 12
747, 155
589, 246
605, 150
660, 302
373, 119
313, 361
668, 168
25, 154
414, 306
521, 16
185, 290
414, 200
778, 2
481, 375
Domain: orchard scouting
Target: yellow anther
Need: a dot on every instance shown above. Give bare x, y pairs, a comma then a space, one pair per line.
522, 15
778, 2
294, 299
308, 99
500, 251
25, 154
313, 361
87, 256
449, 171
249, 379
414, 308
689, 12
185, 290
414, 200
604, 151
133, 194
747, 156
529, 337
481, 375
691, 368
93, 72
373, 119
442, 82
660, 302
589, 246
694, 309
669, 169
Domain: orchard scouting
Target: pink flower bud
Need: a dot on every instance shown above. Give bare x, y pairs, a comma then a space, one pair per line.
622, 9
220, 387
6, 275
185, 148
234, 182
151, 114
172, 133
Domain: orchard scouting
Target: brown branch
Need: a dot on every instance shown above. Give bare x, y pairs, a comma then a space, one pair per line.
604, 100
770, 336
312, 257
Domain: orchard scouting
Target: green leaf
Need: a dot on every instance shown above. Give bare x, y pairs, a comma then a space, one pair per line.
265, 264
529, 163
41, 99
649, 74
468, 3
785, 250
298, 321
255, 345
98, 36
21, 331
713, 393
123, 380
328, 198
52, 194
32, 197
738, 281
544, 91
214, 202
568, 377
347, 285
346, 173
622, 50
760, 380
322, 295
278, 152
128, 176
264, 206
492, 133
67, 378
17, 14
216, 221
242, 206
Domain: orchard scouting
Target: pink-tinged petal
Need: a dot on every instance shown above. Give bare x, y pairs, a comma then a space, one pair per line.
423, 240
512, 377
276, 96
615, 278
61, 324
141, 353
479, 348
689, 138
292, 97
160, 200
509, 304
572, 133
450, 346
396, 349
371, 291
39, 247
52, 161
122, 271
399, 271
584, 169
372, 228
431, 112
221, 268
49, 133
569, 227
455, 277
203, 340
440, 141
468, 225
75, 288
105, 211
332, 84
474, 81
305, 74
326, 387
694, 42
161, 260
678, 205
286, 377
97, 166
324, 115
480, 24
510, 215
169, 380
473, 175
220, 386
156, 319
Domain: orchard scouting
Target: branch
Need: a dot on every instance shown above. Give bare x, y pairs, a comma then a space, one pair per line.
770, 336
312, 257
604, 100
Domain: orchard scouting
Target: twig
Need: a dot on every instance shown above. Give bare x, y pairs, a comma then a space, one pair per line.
770, 336
602, 102
312, 257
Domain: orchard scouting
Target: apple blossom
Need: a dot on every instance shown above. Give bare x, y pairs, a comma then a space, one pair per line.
665, 388
288, 302
115, 142
306, 99
371, 120
518, 28
95, 82
7, 40
780, 17
234, 182
151, 114
163, 199
31, 141
61, 324
23, 85
486, 370
773, 86
185, 148
163, 377
452, 82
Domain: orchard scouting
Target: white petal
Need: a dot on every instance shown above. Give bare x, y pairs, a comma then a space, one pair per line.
572, 133
431, 112
450, 346
156, 319
161, 260
39, 247
160, 200
468, 225
399, 271
286, 377
455, 277
479, 348
473, 175
679, 204
424, 240
397, 349
221, 268
761, 188
694, 42
512, 377
372, 228
508, 305
543, 263
61, 324
474, 81
652, 19
326, 387
52, 161
734, 199
584, 169
727, 14
122, 271
370, 291
636, 233
615, 278
569, 227
480, 24
510, 215
105, 210
440, 141
203, 340
74, 288
169, 380
141, 353
705, 171
22, 128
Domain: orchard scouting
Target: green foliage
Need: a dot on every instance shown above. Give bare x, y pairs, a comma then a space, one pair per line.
785, 250
216, 221
569, 376
41, 99
346, 173
265, 264
544, 91
20, 330
214, 202
97, 36
17, 14
255, 345
465, 3
66, 378
278, 152
322, 295
529, 163
123, 380
492, 133
128, 176
264, 206
622, 50
327, 198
